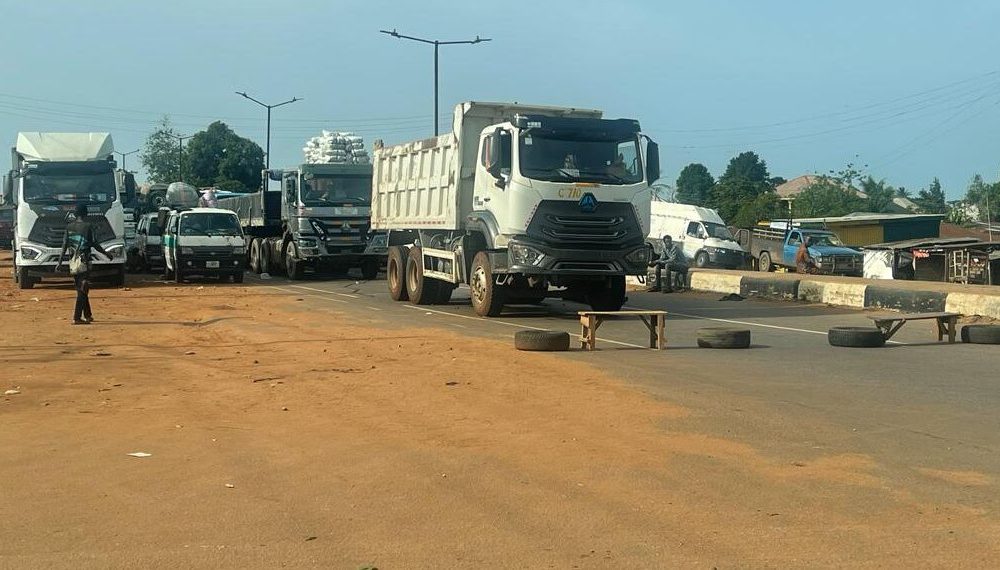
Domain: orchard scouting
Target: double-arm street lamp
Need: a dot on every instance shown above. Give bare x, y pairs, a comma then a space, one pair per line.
267, 156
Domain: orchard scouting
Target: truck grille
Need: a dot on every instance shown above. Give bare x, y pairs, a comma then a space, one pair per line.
343, 230
50, 230
559, 223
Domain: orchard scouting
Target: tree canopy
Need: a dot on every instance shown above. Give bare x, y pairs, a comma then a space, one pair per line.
932, 200
737, 194
218, 156
160, 155
694, 184
880, 195
827, 197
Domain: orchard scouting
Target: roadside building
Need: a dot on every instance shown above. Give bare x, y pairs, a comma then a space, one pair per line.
861, 229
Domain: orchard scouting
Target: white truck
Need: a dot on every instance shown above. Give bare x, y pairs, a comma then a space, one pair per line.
521, 203
50, 174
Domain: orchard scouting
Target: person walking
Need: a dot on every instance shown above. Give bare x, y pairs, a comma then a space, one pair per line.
80, 238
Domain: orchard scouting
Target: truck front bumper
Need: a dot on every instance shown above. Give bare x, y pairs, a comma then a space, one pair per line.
531, 258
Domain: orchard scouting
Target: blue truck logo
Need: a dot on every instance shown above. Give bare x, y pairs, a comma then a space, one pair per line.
588, 203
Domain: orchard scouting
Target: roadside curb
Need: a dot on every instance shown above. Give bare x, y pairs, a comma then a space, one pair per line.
855, 295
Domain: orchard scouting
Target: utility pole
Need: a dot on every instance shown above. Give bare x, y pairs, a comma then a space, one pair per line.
436, 44
180, 154
267, 152
124, 154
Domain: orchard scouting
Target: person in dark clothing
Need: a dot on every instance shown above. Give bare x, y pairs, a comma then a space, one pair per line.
803, 261
80, 239
671, 261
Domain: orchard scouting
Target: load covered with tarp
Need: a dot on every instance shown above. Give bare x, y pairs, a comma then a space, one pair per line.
336, 148
182, 195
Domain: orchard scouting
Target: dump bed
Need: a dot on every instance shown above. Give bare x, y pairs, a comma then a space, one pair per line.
428, 184
256, 210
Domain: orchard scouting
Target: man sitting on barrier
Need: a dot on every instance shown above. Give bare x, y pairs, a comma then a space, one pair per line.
672, 263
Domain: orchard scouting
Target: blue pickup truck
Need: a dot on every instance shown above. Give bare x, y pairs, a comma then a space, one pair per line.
777, 248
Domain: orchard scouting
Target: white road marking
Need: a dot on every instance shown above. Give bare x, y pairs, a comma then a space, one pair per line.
325, 291
372, 308
331, 299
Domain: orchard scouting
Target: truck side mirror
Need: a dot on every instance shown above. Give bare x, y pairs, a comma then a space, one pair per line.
494, 161
652, 161
275, 175
8, 189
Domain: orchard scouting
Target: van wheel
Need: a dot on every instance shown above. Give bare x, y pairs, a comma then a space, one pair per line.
395, 271
701, 259
238, 277
487, 296
178, 275
765, 262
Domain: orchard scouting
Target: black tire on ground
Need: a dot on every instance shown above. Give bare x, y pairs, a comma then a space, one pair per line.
723, 337
701, 259
541, 340
254, 253
855, 337
238, 277
764, 263
487, 296
294, 268
981, 334
609, 296
265, 257
23, 280
369, 269
395, 272
421, 290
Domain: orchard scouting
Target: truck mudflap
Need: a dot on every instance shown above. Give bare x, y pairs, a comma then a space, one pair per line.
532, 258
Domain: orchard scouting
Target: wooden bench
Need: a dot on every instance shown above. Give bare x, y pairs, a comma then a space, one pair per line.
946, 323
590, 321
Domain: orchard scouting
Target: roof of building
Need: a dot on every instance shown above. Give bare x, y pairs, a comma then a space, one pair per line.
863, 218
796, 185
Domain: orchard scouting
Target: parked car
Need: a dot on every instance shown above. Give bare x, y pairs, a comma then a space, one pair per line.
206, 242
148, 243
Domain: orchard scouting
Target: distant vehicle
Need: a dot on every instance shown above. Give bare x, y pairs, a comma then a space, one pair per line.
6, 226
149, 246
206, 242
700, 233
774, 248
522, 203
50, 174
318, 220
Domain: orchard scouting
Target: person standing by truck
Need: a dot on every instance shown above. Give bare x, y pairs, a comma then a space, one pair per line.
80, 236
803, 261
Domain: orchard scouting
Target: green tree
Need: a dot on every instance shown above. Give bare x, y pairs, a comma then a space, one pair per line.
826, 197
161, 154
735, 194
902, 192
218, 156
932, 200
694, 184
765, 206
986, 197
880, 195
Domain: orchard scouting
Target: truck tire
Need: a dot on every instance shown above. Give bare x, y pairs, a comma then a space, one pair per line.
254, 252
855, 337
118, 280
294, 267
395, 272
369, 269
548, 341
420, 290
723, 337
444, 291
701, 259
607, 297
764, 262
23, 280
981, 334
265, 256
487, 296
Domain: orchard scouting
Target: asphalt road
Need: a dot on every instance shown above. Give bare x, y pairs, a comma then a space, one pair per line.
914, 406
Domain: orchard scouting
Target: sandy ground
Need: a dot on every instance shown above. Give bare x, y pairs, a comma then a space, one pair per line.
284, 438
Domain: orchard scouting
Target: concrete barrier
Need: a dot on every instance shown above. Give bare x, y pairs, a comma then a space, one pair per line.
844, 294
811, 291
766, 286
906, 300
973, 304
716, 282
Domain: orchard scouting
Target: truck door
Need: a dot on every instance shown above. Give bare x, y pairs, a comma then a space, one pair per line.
493, 173
792, 247
289, 195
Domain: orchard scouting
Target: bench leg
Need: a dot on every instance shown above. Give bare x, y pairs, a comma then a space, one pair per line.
588, 334
952, 325
661, 342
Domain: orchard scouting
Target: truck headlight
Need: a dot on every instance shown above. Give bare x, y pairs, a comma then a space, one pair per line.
307, 243
30, 252
521, 254
116, 251
638, 256
240, 250
187, 251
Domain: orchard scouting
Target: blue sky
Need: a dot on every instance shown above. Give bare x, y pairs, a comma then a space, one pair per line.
911, 89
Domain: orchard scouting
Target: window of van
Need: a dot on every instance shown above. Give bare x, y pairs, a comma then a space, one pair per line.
694, 230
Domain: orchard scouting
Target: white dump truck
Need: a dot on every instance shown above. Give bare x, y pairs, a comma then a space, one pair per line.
521, 203
50, 174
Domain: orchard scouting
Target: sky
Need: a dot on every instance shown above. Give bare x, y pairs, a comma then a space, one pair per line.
909, 90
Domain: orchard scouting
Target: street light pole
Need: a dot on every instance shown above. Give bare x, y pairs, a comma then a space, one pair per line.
267, 155
437, 44
124, 154
180, 154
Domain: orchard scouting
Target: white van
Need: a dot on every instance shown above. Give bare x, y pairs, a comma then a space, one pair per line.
206, 242
700, 232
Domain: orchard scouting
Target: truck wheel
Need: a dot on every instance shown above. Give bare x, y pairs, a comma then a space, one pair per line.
23, 280
369, 269
421, 290
264, 256
765, 262
607, 296
701, 259
444, 293
855, 337
541, 340
487, 296
722, 337
293, 266
981, 334
395, 272
255, 256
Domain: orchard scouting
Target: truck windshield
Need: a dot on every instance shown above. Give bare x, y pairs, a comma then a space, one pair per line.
68, 184
565, 159
210, 224
821, 240
333, 190
718, 231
